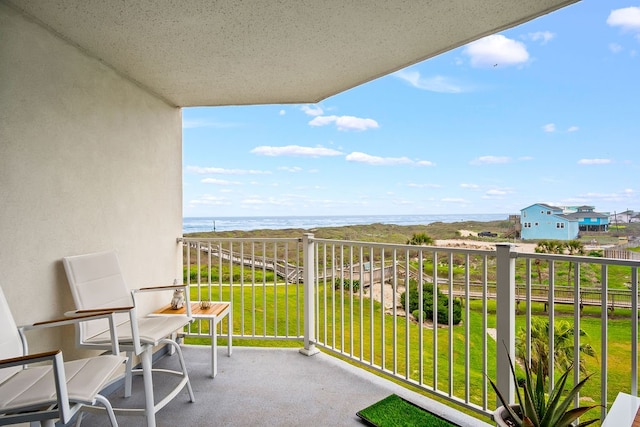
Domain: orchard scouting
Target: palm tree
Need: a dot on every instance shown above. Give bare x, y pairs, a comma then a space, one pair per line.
420, 239
562, 346
546, 247
573, 247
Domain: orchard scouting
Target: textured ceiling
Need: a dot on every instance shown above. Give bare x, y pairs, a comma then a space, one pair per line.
207, 52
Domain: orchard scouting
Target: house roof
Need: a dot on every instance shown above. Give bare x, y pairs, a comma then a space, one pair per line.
543, 205
217, 52
591, 214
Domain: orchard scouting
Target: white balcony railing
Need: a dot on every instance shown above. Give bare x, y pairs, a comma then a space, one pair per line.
346, 298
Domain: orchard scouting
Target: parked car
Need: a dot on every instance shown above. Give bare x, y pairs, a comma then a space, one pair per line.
487, 234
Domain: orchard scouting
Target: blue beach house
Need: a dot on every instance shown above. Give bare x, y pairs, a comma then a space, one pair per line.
542, 221
589, 220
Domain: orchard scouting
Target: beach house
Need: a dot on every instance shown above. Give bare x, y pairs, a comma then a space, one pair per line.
624, 217
542, 221
588, 218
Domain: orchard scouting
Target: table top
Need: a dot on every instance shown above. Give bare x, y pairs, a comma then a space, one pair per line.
624, 412
216, 309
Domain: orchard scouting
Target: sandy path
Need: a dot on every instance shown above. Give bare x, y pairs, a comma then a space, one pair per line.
477, 244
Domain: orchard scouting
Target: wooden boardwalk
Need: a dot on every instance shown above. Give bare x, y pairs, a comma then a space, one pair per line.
618, 298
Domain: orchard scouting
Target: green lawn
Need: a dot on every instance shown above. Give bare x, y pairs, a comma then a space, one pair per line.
359, 330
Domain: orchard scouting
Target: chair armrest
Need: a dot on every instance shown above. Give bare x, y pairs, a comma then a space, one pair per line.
31, 358
111, 311
108, 314
161, 288
58, 374
98, 311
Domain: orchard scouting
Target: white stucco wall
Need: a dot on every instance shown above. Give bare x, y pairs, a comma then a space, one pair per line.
88, 162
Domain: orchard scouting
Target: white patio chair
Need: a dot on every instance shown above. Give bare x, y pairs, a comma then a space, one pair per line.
53, 390
97, 284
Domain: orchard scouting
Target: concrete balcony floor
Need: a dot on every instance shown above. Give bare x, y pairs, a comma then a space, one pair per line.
269, 387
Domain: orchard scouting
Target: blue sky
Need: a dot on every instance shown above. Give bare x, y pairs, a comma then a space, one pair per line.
548, 111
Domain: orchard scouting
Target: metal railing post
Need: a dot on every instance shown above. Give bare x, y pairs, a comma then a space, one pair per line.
308, 253
505, 319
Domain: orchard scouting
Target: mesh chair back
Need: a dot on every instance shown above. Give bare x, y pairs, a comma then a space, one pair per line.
96, 281
10, 341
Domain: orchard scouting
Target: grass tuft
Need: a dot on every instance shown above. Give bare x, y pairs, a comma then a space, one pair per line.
394, 411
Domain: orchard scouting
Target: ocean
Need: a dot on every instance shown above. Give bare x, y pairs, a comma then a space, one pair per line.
193, 225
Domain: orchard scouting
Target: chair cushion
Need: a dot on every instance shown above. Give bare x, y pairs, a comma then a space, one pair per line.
35, 387
151, 330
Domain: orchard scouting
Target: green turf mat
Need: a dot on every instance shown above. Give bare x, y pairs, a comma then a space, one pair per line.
394, 411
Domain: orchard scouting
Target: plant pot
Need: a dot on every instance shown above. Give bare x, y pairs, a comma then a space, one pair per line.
503, 419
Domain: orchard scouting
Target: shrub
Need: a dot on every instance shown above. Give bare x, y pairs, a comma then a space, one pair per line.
346, 284
427, 304
420, 239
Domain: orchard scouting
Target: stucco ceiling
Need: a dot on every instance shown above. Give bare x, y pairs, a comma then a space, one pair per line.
225, 52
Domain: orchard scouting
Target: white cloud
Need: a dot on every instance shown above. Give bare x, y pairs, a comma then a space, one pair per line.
218, 181
282, 112
290, 168
495, 192
573, 129
378, 161
434, 84
550, 127
542, 36
208, 200
627, 18
359, 157
323, 120
498, 50
425, 163
223, 171
471, 186
345, 123
594, 161
453, 200
490, 160
525, 158
295, 150
609, 197
312, 111
615, 47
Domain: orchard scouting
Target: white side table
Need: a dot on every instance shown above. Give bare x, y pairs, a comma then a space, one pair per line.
214, 314
624, 412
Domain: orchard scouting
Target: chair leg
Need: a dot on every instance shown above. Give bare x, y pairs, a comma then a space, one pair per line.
183, 366
149, 408
105, 402
128, 374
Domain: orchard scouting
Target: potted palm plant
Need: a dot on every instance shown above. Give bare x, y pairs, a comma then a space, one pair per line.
537, 409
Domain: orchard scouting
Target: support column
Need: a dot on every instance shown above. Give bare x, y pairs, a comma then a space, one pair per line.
505, 319
308, 248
